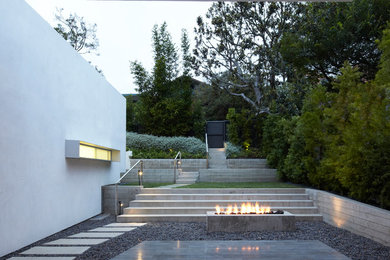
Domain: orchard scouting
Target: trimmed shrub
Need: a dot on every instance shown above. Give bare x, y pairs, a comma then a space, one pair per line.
190, 145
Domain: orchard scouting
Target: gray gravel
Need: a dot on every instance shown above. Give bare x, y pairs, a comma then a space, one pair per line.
349, 244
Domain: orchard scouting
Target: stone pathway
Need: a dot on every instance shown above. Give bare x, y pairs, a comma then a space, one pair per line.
68, 248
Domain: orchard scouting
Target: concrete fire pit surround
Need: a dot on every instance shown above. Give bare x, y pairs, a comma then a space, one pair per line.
250, 222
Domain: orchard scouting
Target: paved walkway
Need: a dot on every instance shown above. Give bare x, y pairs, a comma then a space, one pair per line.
225, 250
76, 244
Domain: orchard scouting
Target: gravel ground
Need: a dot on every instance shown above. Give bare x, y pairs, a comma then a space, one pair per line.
349, 244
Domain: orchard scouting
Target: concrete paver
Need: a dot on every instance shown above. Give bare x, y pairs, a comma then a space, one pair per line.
225, 250
112, 229
56, 250
75, 241
96, 234
125, 225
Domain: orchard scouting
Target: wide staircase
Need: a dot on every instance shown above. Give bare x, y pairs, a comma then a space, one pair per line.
191, 205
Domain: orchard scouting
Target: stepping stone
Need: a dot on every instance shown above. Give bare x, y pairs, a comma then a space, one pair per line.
42, 258
125, 225
96, 234
86, 242
56, 250
113, 229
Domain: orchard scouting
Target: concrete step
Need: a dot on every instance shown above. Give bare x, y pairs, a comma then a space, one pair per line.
192, 218
223, 203
188, 175
162, 218
224, 191
253, 196
186, 181
203, 210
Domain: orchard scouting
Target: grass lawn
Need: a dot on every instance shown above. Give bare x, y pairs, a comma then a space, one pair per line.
242, 185
148, 185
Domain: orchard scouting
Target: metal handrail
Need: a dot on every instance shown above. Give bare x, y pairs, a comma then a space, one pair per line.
124, 175
207, 152
176, 165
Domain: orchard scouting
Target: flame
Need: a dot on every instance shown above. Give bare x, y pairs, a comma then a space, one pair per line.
235, 210
246, 208
218, 210
229, 210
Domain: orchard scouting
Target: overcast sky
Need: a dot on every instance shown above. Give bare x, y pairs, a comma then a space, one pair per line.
124, 30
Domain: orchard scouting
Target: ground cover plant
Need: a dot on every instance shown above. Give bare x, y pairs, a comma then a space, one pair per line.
155, 147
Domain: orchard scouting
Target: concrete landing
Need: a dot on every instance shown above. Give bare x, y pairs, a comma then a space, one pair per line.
244, 249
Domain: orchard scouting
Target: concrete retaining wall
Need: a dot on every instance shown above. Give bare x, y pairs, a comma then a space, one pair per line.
237, 175
125, 195
357, 217
194, 164
150, 175
246, 163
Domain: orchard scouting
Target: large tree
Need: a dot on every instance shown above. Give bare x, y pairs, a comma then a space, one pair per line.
165, 106
328, 34
238, 49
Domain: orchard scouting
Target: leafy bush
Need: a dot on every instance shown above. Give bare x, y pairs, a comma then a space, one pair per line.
231, 149
141, 142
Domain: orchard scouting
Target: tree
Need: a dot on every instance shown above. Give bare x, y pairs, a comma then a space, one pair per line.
328, 34
238, 49
165, 99
81, 35
186, 56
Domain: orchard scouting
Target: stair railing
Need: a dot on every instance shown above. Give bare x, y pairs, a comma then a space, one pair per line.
140, 172
176, 166
207, 152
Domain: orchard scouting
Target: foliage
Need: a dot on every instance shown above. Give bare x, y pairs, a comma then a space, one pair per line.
244, 128
239, 185
238, 49
340, 143
81, 35
231, 149
164, 154
215, 102
184, 144
331, 33
130, 114
165, 106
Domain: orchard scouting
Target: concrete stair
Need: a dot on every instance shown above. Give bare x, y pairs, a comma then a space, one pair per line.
217, 158
191, 205
187, 177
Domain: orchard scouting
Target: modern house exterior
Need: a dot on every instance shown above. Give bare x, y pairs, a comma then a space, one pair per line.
59, 143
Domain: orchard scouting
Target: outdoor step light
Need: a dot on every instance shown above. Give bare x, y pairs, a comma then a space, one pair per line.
76, 149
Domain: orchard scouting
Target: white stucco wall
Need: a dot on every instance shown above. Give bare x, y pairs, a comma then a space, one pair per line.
49, 93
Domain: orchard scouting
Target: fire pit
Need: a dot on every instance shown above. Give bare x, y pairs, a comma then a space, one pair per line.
249, 217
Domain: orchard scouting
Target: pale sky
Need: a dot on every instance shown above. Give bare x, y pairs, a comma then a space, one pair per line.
124, 30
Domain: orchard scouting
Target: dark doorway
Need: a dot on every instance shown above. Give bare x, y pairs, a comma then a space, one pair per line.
216, 133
